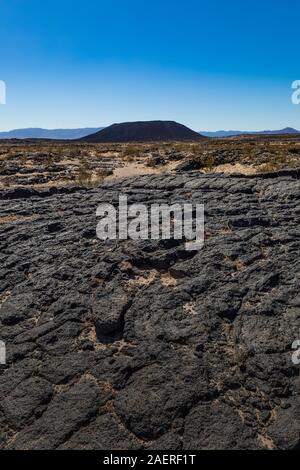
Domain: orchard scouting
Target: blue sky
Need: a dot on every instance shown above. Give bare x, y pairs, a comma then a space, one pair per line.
210, 65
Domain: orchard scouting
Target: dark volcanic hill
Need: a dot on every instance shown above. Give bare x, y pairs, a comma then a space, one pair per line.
143, 131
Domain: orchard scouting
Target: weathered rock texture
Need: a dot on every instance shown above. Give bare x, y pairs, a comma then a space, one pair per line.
143, 344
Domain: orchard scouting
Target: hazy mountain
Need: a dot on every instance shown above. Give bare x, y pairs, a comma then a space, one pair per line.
144, 131
287, 130
220, 133
167, 132
37, 133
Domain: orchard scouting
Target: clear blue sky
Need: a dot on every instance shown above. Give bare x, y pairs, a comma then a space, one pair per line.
208, 64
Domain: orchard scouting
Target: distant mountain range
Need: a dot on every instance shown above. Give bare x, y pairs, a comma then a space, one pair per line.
144, 131
287, 130
57, 134
73, 134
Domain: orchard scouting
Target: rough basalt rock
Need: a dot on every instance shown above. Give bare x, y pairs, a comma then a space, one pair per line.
143, 345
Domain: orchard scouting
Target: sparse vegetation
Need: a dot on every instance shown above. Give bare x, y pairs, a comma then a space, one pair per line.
208, 162
130, 152
44, 163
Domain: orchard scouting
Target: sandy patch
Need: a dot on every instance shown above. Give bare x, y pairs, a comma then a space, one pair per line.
139, 169
167, 280
190, 308
145, 280
266, 442
233, 168
131, 169
9, 219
